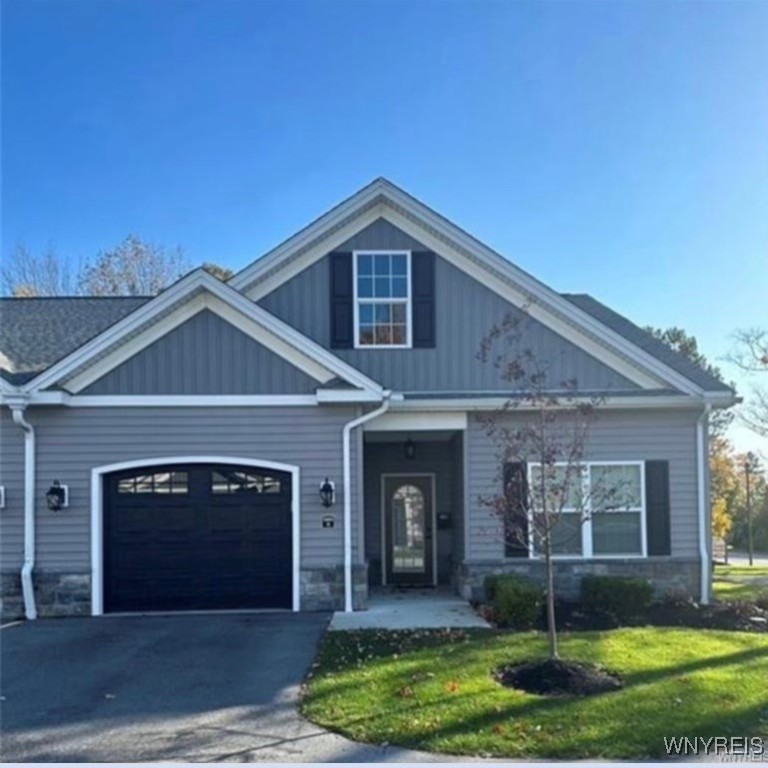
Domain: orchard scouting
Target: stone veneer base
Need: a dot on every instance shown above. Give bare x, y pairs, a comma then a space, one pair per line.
69, 594
669, 575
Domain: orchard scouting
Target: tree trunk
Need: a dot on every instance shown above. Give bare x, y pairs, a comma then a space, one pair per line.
551, 626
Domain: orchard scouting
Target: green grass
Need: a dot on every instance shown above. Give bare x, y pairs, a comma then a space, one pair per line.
740, 582
731, 590
434, 691
758, 571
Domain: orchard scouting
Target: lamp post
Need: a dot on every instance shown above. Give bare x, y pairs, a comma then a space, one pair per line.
750, 464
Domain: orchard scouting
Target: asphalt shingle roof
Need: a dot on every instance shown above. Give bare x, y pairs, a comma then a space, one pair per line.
647, 342
35, 333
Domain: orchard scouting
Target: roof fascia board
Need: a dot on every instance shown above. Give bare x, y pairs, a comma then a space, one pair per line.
186, 311
647, 370
244, 279
671, 402
312, 355
538, 290
268, 281
135, 319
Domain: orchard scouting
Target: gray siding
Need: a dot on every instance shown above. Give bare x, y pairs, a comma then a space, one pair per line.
614, 436
466, 311
12, 477
72, 441
206, 355
432, 457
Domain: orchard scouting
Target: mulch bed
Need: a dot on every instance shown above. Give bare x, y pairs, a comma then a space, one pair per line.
557, 677
734, 616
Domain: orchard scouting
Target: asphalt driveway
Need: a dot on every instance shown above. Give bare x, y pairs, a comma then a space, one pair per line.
219, 687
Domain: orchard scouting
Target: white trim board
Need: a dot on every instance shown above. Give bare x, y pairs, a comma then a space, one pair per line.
97, 514
381, 199
383, 477
417, 422
235, 307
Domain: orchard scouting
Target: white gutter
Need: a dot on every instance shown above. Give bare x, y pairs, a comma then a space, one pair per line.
703, 474
27, 588
348, 495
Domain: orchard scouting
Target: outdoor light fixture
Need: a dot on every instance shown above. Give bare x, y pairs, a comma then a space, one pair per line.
409, 448
56, 496
327, 493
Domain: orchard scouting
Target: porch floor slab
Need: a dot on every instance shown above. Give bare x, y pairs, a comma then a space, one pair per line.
411, 609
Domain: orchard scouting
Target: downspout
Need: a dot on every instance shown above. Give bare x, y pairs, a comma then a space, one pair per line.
703, 491
383, 408
27, 588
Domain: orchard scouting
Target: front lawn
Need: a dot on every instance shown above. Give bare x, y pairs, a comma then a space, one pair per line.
740, 582
434, 691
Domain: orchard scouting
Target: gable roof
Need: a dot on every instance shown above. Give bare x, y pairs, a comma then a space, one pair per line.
37, 332
646, 365
134, 331
679, 362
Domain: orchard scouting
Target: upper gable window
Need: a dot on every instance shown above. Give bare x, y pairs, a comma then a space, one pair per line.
382, 298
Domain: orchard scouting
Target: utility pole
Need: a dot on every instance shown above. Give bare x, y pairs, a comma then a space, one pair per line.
749, 463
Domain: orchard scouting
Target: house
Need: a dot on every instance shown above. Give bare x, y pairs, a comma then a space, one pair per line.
313, 429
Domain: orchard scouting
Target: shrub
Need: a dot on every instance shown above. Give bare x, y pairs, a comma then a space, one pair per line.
516, 601
761, 600
621, 597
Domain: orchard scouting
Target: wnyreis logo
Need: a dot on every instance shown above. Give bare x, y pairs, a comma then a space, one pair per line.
744, 748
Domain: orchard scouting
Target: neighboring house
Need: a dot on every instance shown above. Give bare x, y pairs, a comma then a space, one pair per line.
191, 434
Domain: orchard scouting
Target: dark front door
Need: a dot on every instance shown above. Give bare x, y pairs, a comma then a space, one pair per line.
187, 537
408, 536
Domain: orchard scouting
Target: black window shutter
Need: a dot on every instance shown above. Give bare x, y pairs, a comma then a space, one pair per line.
341, 299
657, 508
423, 299
516, 519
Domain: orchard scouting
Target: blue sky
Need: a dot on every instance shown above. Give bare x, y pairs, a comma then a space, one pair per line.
613, 148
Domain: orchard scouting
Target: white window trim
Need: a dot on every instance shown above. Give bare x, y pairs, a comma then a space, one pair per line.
587, 548
408, 301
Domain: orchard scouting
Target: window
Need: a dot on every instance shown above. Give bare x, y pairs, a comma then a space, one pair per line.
225, 481
603, 514
382, 298
159, 482
617, 515
562, 492
408, 527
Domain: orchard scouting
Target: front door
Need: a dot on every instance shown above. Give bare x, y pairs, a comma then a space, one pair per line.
408, 535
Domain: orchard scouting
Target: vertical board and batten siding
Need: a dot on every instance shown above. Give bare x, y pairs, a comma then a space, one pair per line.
205, 355
432, 457
12, 477
465, 312
614, 436
71, 442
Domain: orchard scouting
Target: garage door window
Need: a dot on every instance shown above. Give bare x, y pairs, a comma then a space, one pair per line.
223, 481
159, 482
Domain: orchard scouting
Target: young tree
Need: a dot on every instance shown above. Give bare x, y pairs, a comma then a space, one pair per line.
541, 436
133, 268
26, 274
751, 355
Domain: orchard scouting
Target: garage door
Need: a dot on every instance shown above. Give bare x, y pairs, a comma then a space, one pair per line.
197, 537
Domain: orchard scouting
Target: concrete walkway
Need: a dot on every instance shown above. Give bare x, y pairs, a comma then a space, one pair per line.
411, 609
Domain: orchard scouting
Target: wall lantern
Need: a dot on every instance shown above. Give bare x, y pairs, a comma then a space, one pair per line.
409, 448
57, 496
327, 493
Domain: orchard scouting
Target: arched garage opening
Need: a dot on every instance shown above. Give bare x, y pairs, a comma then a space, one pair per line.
195, 533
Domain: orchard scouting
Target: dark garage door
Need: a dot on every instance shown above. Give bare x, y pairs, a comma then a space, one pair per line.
197, 537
